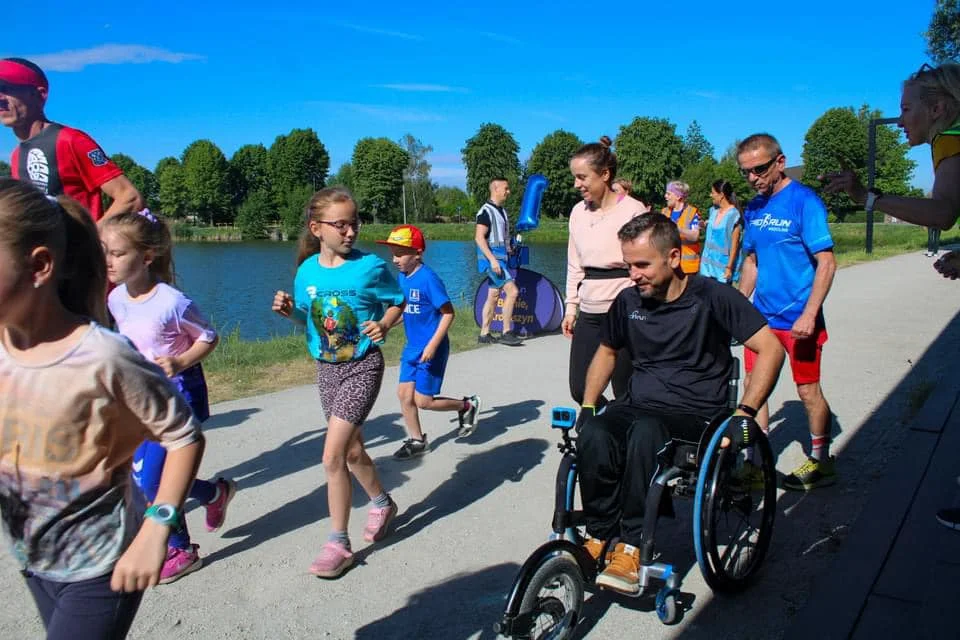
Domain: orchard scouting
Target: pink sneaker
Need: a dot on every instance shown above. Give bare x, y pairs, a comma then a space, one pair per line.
217, 510
378, 520
333, 560
179, 563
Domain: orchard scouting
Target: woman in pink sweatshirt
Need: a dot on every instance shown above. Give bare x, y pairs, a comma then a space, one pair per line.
596, 272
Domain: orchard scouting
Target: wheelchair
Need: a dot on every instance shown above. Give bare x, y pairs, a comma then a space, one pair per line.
732, 526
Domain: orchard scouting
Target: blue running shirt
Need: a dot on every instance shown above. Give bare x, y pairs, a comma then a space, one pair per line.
784, 231
425, 294
338, 300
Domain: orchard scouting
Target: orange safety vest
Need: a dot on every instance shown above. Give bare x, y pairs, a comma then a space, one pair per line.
689, 251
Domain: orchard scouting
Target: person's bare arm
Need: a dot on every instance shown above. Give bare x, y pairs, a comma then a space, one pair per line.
748, 275
599, 374
126, 198
766, 368
939, 211
822, 281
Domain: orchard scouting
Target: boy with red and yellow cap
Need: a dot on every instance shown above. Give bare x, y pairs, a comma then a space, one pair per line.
426, 320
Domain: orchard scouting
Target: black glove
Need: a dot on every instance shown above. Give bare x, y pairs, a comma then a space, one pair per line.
586, 412
742, 430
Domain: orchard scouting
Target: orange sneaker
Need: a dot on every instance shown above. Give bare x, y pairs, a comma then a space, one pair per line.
621, 572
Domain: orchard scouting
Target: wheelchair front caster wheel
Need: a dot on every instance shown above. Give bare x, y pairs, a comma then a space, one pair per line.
667, 605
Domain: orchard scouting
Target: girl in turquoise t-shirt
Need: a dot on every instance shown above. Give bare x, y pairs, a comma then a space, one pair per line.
348, 300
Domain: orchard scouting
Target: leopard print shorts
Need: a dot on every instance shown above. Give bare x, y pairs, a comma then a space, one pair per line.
349, 389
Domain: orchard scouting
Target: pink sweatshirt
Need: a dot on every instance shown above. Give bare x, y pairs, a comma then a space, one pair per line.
593, 243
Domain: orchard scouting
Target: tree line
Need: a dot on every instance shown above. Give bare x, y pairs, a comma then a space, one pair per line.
259, 187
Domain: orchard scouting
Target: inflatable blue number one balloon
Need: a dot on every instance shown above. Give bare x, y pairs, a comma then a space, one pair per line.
530, 207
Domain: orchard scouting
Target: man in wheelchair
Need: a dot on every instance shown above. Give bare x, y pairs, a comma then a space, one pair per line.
677, 328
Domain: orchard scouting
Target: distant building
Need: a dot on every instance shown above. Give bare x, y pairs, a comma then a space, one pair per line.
795, 173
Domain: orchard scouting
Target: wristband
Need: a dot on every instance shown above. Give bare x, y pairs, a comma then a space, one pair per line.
165, 514
747, 409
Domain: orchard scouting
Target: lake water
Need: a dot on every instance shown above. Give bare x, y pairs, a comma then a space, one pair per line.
234, 283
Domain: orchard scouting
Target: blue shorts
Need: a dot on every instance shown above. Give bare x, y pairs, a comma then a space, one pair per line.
427, 377
497, 282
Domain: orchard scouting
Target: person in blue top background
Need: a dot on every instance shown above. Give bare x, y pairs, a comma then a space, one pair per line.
348, 300
426, 319
789, 265
721, 248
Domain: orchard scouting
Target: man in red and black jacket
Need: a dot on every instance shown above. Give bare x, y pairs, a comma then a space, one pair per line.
58, 159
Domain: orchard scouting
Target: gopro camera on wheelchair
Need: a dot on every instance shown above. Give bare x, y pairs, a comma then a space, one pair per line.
563, 418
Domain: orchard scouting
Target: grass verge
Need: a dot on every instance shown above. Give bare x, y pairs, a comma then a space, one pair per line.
239, 368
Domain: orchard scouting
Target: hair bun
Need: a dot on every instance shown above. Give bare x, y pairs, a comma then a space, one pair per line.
606, 142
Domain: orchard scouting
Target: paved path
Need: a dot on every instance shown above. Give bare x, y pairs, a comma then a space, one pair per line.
471, 511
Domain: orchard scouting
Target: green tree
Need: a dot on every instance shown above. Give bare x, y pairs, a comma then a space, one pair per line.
295, 159
729, 169
171, 189
696, 147
838, 140
649, 154
141, 177
551, 157
4, 170
943, 34
700, 176
378, 166
454, 203
255, 214
292, 209
419, 189
206, 176
343, 177
491, 153
248, 172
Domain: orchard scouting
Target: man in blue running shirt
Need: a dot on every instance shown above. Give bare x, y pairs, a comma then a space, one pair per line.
789, 267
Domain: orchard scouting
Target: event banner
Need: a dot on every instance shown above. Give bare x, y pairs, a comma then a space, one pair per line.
539, 307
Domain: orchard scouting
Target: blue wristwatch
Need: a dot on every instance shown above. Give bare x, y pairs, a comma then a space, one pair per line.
165, 514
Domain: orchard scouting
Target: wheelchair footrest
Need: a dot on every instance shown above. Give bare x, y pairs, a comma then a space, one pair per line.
656, 571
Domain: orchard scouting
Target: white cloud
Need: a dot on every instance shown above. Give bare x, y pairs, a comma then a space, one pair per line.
392, 114
78, 59
378, 32
499, 37
429, 88
709, 95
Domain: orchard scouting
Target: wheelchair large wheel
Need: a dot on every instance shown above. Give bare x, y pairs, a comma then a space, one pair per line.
733, 516
553, 599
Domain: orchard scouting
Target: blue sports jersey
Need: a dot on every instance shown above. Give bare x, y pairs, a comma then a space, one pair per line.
338, 300
783, 231
425, 294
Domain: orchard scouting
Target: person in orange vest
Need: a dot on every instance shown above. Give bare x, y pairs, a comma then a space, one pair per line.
688, 221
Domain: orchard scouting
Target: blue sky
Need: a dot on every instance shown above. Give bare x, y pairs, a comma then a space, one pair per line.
148, 80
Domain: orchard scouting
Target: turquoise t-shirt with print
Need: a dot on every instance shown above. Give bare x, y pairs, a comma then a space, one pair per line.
338, 300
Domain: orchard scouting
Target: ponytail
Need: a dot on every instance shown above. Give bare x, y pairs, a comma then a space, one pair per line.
28, 220
82, 284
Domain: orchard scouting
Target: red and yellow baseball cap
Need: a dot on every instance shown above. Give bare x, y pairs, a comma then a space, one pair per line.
406, 235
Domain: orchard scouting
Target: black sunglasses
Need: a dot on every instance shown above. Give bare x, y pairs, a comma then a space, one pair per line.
758, 170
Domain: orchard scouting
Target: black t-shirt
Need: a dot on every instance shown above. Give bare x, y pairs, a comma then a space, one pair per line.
483, 217
681, 350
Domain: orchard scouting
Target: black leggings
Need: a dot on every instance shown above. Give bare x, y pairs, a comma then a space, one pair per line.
89, 609
586, 339
617, 460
